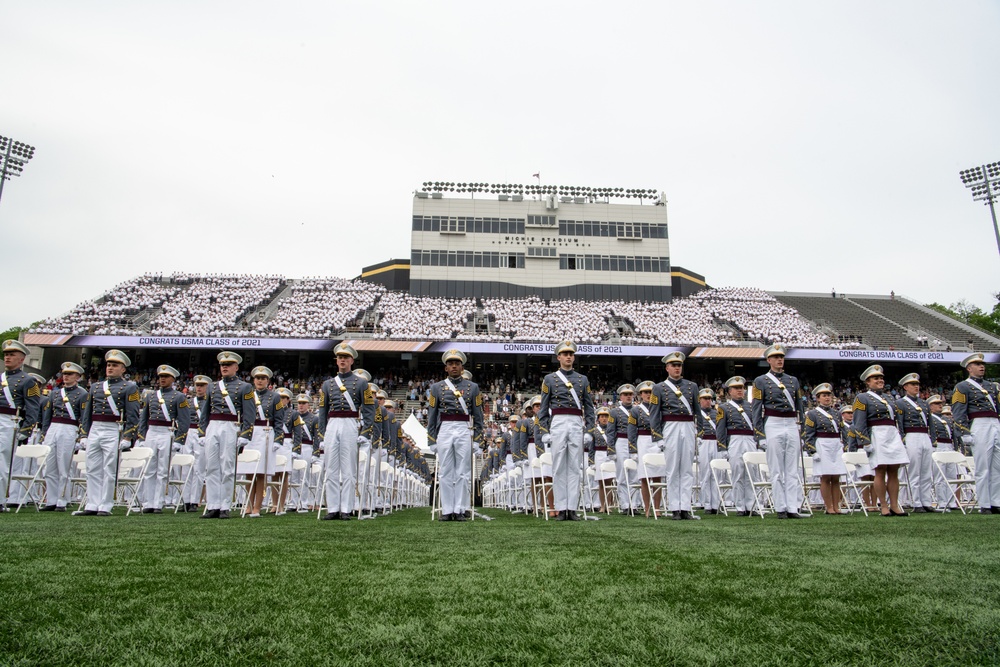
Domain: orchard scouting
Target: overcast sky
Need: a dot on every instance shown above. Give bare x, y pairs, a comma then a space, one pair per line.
802, 146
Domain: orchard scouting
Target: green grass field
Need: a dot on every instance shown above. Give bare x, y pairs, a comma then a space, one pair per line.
162, 590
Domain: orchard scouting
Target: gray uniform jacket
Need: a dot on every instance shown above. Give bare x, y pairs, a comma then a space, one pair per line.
557, 396
867, 410
705, 422
941, 430
638, 424
769, 400
849, 437
969, 402
126, 398
27, 397
240, 393
443, 404
620, 414
817, 424
305, 430
729, 421
332, 399
77, 399
666, 405
911, 419
178, 410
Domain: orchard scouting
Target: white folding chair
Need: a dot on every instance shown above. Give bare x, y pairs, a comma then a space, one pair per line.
610, 486
36, 454
539, 499
656, 459
78, 478
942, 459
244, 483
129, 481
545, 459
756, 462
809, 485
280, 460
185, 465
854, 461
634, 490
298, 491
722, 467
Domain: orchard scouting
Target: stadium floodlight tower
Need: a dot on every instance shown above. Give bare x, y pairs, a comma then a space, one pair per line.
985, 184
13, 156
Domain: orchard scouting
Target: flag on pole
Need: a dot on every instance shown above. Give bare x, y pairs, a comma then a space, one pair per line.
538, 175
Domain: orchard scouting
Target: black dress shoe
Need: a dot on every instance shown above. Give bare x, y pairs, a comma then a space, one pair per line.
147, 510
210, 514
85, 513
103, 513
223, 514
782, 515
347, 516
995, 510
157, 510
60, 509
933, 511
468, 514
676, 516
330, 516
445, 517
562, 516
918, 510
986, 510
794, 515
891, 513
459, 517
47, 508
711, 511
573, 516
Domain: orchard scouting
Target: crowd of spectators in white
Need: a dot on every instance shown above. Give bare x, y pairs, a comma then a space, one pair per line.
219, 305
319, 308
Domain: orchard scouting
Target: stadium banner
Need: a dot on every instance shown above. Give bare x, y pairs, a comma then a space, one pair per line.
918, 356
606, 350
189, 342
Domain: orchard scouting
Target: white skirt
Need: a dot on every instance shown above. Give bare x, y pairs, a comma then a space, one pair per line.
260, 441
286, 451
887, 447
645, 446
831, 459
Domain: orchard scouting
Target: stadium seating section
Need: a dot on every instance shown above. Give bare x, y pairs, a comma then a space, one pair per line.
321, 307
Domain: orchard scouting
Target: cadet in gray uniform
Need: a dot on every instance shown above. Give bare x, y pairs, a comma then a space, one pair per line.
114, 420
822, 433
604, 443
777, 408
566, 420
195, 444
640, 438
671, 418
226, 424
19, 409
974, 407
943, 441
268, 420
347, 416
735, 433
305, 437
454, 403
914, 426
707, 451
63, 420
623, 448
163, 425
877, 431
26, 466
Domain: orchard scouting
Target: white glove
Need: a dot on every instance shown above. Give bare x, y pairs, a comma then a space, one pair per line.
176, 447
546, 439
241, 443
869, 449
275, 447
816, 457
724, 454
433, 449
967, 440
363, 441
611, 457
658, 445
762, 445
587, 440
82, 445
634, 457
